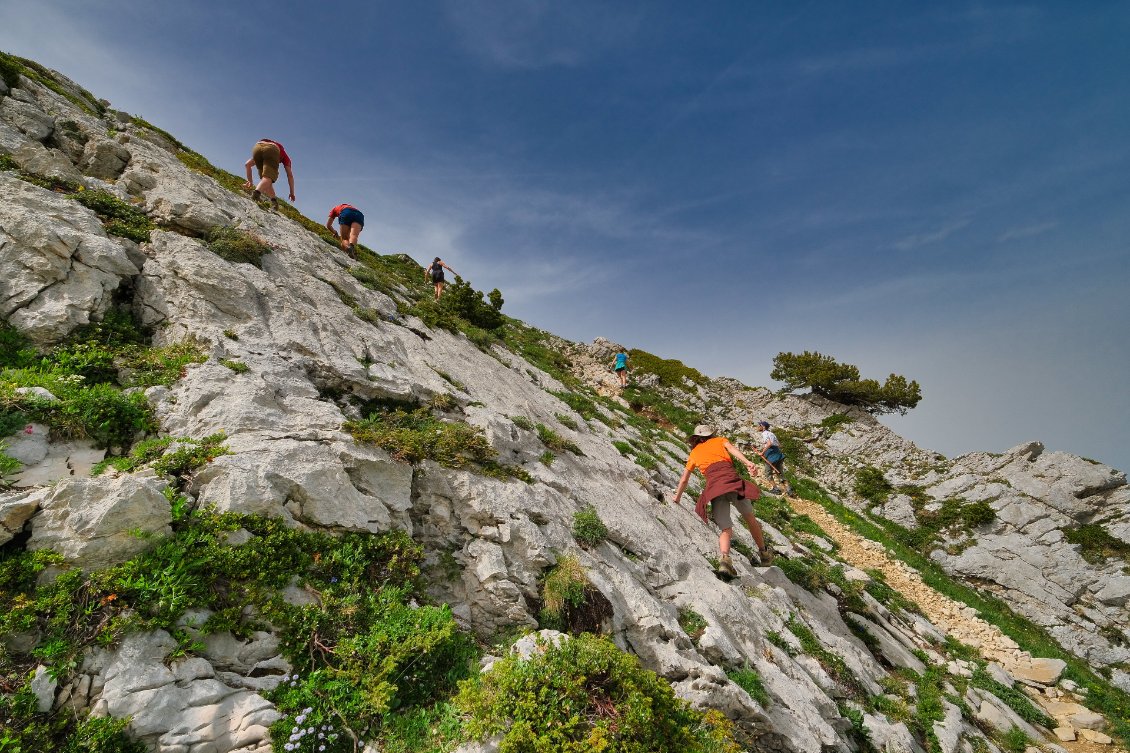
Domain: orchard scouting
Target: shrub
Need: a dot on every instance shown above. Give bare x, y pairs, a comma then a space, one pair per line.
602, 700
460, 299
833, 422
23, 729
118, 217
8, 465
99, 412
237, 246
872, 485
588, 529
671, 372
1095, 543
840, 382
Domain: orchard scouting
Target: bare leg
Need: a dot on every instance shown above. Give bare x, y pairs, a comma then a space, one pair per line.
439, 290
755, 529
266, 187
354, 233
724, 542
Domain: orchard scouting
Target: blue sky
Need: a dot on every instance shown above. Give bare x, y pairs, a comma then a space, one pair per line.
934, 189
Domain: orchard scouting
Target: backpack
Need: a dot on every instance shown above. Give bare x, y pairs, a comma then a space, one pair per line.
774, 455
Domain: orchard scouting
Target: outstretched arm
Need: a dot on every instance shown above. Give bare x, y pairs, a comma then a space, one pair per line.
683, 484
248, 164
290, 180
444, 265
737, 454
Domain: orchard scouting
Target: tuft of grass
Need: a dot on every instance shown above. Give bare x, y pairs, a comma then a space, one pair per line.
1096, 545
237, 246
522, 422
749, 680
588, 529
555, 441
692, 623
239, 367
547, 458
118, 217
832, 423
564, 585
416, 435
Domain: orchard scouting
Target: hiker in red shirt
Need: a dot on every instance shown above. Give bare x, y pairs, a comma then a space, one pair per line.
350, 222
266, 157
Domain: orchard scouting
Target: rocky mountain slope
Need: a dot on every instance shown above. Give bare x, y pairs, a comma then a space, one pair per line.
285, 383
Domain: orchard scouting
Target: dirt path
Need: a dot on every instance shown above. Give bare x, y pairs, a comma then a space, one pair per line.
950, 616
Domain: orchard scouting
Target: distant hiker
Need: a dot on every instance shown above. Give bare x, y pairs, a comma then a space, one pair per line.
769, 448
621, 368
435, 273
350, 222
266, 157
714, 457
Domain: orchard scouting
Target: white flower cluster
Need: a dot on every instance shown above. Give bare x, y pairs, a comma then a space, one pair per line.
307, 738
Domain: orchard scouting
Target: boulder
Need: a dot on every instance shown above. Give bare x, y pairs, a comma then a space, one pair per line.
104, 159
36, 159
98, 522
28, 118
1039, 671
15, 510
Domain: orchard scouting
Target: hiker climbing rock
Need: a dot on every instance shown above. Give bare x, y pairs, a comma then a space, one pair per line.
350, 223
769, 448
621, 368
714, 456
434, 272
266, 156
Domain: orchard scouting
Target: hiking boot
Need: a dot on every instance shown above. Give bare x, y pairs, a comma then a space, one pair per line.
255, 195
726, 567
775, 490
275, 204
766, 557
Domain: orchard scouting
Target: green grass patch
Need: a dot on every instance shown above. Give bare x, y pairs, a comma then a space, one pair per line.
588, 529
671, 371
237, 246
11, 67
415, 435
555, 441
239, 367
692, 623
749, 680
832, 423
118, 217
872, 485
1096, 545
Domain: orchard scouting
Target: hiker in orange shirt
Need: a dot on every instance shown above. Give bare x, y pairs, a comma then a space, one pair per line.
350, 222
714, 456
266, 157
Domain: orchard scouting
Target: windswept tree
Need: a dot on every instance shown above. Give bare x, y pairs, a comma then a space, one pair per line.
840, 382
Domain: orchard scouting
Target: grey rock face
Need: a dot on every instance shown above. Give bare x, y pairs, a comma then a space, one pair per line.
29, 119
104, 159
57, 266
95, 522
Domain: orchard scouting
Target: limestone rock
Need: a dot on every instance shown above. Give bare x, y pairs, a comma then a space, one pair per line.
1065, 734
96, 522
43, 687
104, 159
58, 268
35, 123
36, 159
15, 510
1096, 737
1041, 671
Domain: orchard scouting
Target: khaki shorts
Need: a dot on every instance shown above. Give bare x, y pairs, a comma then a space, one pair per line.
720, 509
267, 158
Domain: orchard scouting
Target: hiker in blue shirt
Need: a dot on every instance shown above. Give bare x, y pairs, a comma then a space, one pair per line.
621, 368
769, 448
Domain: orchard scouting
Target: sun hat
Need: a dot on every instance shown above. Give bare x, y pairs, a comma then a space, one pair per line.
702, 430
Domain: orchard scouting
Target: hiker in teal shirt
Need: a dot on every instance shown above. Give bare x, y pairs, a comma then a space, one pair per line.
621, 368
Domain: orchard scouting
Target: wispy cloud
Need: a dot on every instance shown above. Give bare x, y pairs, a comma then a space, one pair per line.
530, 34
1027, 231
918, 240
